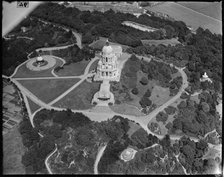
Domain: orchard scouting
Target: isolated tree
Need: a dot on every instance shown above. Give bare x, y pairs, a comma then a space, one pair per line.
144, 81
134, 91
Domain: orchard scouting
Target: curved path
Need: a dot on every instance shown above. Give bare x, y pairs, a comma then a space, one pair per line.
46, 160
98, 157
77, 35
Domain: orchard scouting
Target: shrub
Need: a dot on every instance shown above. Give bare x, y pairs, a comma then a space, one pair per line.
182, 105
144, 81
170, 110
134, 91
205, 107
169, 125
147, 93
184, 95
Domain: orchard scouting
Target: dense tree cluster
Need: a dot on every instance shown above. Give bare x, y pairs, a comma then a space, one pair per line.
29, 134
197, 119
145, 102
201, 52
192, 153
64, 118
109, 24
162, 116
158, 71
37, 148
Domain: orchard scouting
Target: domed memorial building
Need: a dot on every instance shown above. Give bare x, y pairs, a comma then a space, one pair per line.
107, 70
107, 65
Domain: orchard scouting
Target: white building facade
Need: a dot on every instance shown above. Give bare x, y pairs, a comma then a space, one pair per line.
108, 65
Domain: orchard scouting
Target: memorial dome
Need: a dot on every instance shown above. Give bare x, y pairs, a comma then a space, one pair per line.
107, 50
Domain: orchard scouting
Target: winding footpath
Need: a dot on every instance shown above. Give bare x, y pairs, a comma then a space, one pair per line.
46, 160
98, 157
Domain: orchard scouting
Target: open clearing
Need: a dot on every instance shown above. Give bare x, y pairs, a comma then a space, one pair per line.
189, 16
166, 42
13, 150
24, 72
73, 69
47, 90
79, 98
212, 9
160, 95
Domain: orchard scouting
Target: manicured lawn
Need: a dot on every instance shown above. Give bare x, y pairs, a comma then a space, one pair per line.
160, 95
74, 69
166, 42
24, 72
188, 16
48, 89
81, 97
33, 106
13, 151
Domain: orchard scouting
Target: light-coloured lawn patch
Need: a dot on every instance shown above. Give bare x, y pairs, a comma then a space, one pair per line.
166, 42
126, 108
48, 89
74, 69
24, 72
160, 95
133, 128
13, 151
33, 106
188, 16
212, 9
79, 98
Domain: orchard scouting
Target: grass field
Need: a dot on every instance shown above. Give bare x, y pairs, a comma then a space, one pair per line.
189, 16
166, 42
33, 106
79, 98
24, 72
13, 150
212, 9
160, 95
74, 69
48, 89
